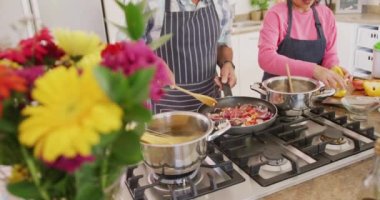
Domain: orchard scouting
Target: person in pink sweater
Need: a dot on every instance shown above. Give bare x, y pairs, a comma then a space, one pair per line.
302, 34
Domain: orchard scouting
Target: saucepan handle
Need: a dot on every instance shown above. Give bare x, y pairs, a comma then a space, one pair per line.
258, 88
324, 93
221, 127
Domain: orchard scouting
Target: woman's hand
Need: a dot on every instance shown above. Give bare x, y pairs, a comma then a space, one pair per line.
227, 75
330, 78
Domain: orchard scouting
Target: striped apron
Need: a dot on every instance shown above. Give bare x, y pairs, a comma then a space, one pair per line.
191, 54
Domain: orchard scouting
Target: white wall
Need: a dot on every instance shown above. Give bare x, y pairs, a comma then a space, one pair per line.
83, 15
14, 22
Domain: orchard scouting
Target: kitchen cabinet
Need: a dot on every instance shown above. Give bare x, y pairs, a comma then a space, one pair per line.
346, 37
367, 36
246, 60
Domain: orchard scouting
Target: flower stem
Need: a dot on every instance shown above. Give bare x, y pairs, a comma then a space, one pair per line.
104, 170
33, 171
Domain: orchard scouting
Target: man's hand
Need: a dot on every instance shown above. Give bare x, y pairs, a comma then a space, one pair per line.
227, 75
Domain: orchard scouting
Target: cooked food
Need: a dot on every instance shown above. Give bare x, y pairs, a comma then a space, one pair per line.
242, 115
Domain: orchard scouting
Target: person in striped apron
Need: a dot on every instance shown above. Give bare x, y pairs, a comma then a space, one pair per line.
200, 41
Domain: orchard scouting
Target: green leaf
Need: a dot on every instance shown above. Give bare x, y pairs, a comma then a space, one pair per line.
88, 182
126, 149
7, 126
24, 189
140, 82
135, 21
138, 112
160, 41
120, 27
114, 84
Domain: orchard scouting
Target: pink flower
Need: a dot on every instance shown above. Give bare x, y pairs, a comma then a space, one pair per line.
30, 74
129, 57
70, 164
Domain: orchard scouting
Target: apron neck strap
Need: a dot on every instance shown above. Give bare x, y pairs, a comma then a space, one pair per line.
290, 16
318, 25
167, 5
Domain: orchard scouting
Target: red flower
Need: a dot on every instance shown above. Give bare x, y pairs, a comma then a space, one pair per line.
9, 81
40, 49
129, 57
37, 50
14, 55
70, 164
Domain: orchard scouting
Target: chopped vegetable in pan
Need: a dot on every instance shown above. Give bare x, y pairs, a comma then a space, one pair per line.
242, 115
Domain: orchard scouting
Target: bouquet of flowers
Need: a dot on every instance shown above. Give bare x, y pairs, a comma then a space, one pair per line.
72, 109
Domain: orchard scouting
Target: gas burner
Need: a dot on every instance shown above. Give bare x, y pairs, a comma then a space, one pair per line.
175, 183
333, 137
275, 165
336, 141
272, 156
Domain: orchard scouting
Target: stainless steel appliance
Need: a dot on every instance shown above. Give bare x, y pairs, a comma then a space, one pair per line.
254, 165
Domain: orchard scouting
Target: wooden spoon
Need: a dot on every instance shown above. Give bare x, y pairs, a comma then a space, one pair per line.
202, 98
289, 79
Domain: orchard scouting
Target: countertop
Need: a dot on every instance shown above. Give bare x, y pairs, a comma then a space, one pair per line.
246, 26
361, 18
341, 184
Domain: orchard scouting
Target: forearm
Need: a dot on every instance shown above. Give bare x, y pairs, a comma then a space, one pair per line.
224, 54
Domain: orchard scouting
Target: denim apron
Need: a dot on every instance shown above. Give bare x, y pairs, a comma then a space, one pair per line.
306, 50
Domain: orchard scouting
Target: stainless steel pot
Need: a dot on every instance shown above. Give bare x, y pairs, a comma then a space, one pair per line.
186, 157
293, 104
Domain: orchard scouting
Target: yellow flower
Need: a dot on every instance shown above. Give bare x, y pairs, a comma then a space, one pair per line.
18, 174
72, 110
90, 61
9, 63
78, 43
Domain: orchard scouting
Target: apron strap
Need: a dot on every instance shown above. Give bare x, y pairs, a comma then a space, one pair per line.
290, 16
167, 5
318, 25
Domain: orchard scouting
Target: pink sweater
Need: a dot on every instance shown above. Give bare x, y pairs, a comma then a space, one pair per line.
274, 30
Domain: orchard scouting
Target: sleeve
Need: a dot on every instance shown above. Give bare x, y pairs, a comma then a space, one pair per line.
269, 60
330, 58
225, 15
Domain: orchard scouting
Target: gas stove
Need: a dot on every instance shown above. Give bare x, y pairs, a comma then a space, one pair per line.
252, 166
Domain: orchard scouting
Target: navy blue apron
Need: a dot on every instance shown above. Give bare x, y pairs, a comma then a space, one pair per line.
191, 54
306, 50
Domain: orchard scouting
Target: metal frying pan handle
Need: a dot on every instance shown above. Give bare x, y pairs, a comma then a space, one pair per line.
226, 90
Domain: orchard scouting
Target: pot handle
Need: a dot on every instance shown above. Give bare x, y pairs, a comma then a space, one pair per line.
221, 127
324, 93
226, 90
258, 88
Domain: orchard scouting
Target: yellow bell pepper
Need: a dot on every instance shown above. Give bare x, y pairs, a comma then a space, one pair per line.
339, 92
372, 88
338, 70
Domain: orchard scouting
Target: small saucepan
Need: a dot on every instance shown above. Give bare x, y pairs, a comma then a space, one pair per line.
292, 104
185, 155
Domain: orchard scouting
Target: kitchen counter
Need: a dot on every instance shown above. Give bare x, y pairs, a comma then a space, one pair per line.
246, 26
341, 184
360, 18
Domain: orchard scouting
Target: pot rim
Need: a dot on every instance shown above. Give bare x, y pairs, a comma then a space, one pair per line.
317, 83
197, 115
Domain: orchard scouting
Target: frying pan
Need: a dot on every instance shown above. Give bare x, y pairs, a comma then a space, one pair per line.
231, 101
